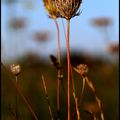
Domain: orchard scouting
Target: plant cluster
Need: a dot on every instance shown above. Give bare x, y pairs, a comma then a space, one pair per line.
66, 9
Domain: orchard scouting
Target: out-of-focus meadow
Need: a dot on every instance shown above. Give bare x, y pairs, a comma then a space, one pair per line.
25, 44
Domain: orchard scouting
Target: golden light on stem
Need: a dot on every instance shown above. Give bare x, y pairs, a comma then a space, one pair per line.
53, 12
59, 71
68, 65
74, 96
64, 9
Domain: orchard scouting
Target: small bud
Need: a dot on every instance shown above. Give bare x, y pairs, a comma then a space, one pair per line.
82, 69
15, 69
55, 62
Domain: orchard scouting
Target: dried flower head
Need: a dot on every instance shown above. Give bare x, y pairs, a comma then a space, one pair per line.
113, 48
68, 8
41, 36
55, 62
82, 69
15, 69
51, 8
103, 21
18, 23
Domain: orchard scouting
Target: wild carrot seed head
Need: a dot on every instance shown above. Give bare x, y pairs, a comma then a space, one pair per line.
68, 8
15, 69
82, 69
51, 8
102, 22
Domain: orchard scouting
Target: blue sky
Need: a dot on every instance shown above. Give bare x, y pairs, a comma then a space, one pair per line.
83, 36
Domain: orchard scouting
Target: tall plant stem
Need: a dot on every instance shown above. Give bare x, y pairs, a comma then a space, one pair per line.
68, 65
59, 71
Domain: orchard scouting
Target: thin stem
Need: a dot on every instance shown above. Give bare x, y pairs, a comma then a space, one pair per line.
68, 65
90, 84
16, 100
64, 30
82, 92
74, 96
50, 110
58, 37
25, 100
59, 71
20, 93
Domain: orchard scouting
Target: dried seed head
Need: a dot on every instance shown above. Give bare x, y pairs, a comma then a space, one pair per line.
51, 8
101, 22
15, 69
113, 48
68, 8
17, 23
82, 69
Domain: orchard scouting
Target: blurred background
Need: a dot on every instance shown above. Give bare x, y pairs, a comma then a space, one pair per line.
28, 37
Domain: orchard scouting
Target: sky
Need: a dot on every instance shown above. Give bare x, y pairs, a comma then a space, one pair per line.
83, 36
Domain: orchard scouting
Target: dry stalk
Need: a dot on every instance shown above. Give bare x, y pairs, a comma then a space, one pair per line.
16, 100
82, 69
59, 71
26, 101
68, 67
82, 92
74, 96
90, 84
46, 94
20, 93
73, 85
